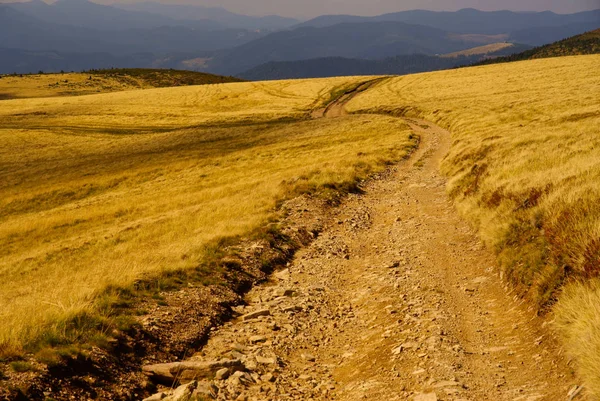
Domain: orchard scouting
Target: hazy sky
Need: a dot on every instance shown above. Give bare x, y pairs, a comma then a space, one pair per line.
304, 9
312, 8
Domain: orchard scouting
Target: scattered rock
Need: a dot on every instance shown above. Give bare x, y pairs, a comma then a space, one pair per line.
156, 397
222, 374
290, 309
574, 392
169, 373
446, 383
183, 392
282, 292
256, 314
283, 275
257, 339
205, 390
266, 360
425, 397
241, 378
268, 377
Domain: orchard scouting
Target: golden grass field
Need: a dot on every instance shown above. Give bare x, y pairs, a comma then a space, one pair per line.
18, 86
49, 85
525, 169
102, 190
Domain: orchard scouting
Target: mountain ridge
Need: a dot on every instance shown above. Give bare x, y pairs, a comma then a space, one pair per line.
217, 14
339, 66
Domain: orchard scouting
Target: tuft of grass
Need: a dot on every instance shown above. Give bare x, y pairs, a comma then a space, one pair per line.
21, 366
578, 321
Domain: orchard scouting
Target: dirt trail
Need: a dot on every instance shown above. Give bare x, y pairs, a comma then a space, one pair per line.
397, 299
337, 107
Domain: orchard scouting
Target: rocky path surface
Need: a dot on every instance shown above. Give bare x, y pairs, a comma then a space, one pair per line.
397, 299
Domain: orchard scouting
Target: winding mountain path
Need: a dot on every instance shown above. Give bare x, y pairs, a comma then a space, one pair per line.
397, 299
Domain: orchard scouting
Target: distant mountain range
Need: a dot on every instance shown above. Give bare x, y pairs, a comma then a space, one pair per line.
367, 40
77, 34
220, 16
21, 30
146, 15
389, 35
470, 21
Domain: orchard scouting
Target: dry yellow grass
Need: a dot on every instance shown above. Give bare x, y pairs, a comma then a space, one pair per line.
50, 85
18, 86
525, 168
578, 319
102, 190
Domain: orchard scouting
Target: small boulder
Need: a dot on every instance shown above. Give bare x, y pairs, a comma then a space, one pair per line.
222, 374
169, 373
156, 397
425, 397
183, 393
256, 314
257, 339
266, 360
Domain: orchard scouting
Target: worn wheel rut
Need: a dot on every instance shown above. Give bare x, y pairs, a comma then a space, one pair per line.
397, 299
336, 108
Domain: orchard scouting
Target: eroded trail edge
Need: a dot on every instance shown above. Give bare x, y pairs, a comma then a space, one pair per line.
397, 299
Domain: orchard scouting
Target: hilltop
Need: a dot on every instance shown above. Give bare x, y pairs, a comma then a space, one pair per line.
162, 78
586, 43
19, 86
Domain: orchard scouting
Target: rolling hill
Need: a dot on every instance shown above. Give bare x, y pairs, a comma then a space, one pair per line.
18, 86
411, 32
398, 65
587, 43
368, 40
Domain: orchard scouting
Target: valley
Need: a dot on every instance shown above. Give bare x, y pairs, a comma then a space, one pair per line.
76, 35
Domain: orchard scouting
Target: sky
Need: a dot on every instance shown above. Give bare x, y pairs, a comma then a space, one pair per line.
304, 9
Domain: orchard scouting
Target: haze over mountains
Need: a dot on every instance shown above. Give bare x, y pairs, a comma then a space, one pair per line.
79, 34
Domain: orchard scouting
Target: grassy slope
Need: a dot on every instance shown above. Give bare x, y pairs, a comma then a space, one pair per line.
586, 43
481, 50
102, 190
100, 81
525, 168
